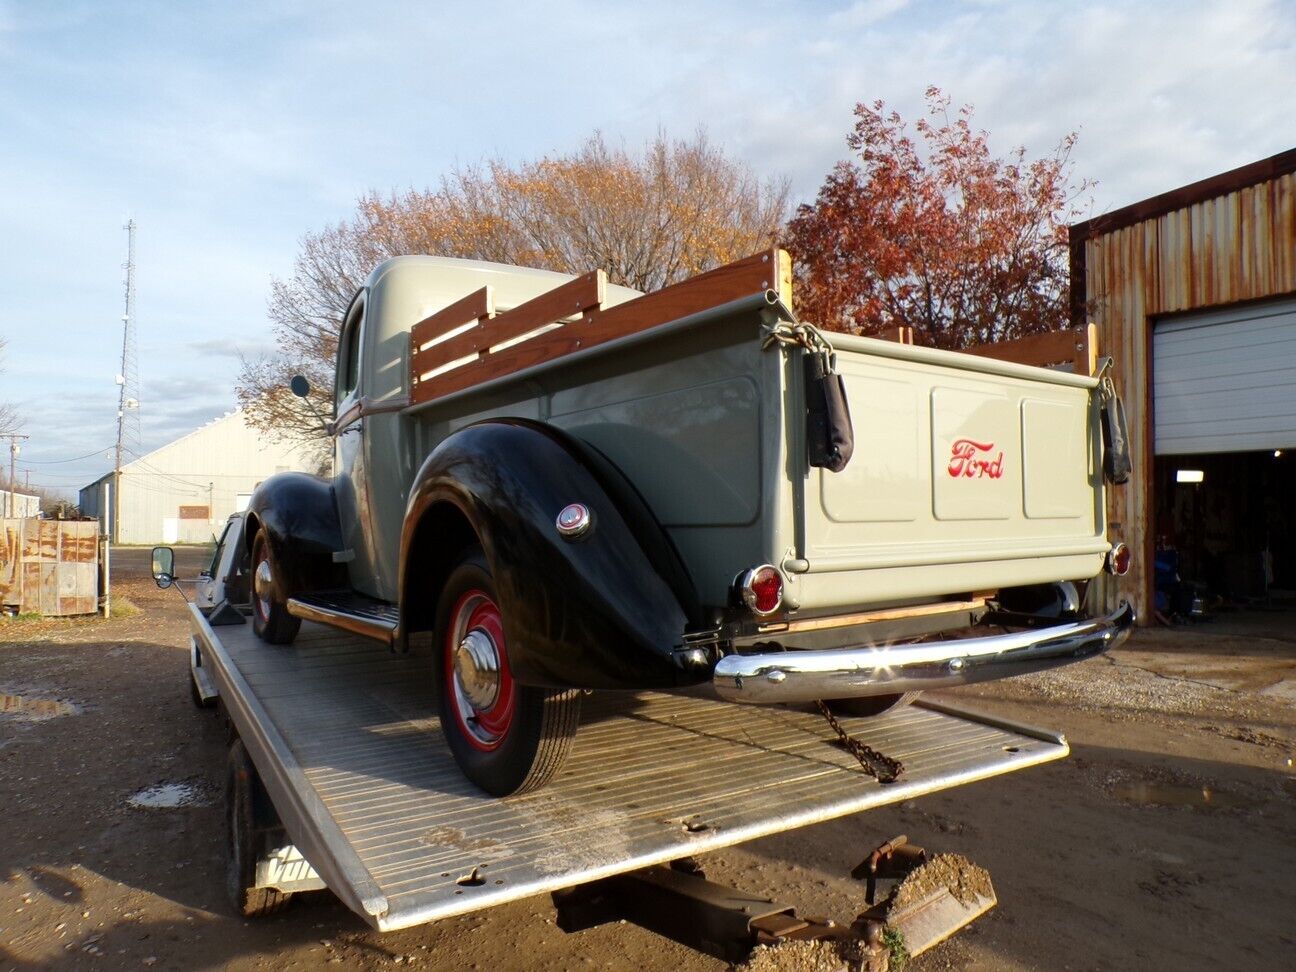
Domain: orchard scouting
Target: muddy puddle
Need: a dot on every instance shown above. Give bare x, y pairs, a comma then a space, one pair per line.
1179, 795
32, 709
169, 796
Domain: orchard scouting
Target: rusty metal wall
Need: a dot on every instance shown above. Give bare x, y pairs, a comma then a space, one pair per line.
49, 567
1238, 246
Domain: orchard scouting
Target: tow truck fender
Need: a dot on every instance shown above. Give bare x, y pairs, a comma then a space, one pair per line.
603, 610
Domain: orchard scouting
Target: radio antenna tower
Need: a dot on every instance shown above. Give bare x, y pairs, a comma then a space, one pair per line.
128, 426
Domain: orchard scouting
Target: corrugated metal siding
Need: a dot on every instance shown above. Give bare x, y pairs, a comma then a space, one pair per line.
1226, 380
1237, 247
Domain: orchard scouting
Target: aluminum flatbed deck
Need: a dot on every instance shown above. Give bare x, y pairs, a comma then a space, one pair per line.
344, 735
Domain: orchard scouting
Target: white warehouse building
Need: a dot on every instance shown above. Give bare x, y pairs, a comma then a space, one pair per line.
18, 504
183, 491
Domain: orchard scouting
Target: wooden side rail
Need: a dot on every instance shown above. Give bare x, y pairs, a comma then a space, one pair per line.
1077, 347
475, 308
482, 346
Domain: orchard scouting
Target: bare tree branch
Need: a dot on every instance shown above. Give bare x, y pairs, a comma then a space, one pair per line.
648, 219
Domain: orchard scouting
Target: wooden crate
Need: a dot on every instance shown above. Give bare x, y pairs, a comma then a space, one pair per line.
49, 567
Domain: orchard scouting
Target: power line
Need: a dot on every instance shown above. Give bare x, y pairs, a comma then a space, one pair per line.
88, 455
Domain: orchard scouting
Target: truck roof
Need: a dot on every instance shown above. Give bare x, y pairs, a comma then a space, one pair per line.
404, 290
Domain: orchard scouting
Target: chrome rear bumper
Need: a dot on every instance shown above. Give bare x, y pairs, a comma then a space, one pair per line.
846, 673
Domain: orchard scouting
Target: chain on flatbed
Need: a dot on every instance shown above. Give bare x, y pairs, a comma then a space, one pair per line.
881, 767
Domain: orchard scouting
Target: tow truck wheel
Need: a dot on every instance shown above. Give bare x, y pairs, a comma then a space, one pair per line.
507, 738
249, 819
270, 618
871, 705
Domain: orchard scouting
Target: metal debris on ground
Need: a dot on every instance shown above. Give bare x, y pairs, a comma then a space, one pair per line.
936, 900
964, 880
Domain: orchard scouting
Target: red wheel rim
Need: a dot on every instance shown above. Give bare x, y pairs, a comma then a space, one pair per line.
476, 616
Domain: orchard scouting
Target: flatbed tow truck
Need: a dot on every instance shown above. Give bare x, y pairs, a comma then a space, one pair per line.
339, 779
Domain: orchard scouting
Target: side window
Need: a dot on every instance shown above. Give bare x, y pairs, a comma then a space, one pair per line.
216, 556
348, 366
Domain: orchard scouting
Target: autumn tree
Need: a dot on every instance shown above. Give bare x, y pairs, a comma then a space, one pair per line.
648, 219
936, 233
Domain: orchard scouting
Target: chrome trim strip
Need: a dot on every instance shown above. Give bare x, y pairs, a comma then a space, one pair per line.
379, 630
803, 676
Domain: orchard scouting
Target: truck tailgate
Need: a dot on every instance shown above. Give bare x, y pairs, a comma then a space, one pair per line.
968, 474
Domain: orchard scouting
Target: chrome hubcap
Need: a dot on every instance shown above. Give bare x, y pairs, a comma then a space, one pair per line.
477, 669
263, 581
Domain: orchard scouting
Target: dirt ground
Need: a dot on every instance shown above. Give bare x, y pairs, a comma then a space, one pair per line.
1166, 841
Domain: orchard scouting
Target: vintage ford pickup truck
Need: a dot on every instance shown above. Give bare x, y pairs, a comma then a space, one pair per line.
572, 486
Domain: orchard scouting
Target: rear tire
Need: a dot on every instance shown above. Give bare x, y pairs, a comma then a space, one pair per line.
270, 618
507, 738
871, 705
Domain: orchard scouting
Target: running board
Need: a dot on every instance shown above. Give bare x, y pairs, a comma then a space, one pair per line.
348, 611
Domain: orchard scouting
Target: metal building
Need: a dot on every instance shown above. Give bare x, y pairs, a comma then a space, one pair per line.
1194, 294
183, 492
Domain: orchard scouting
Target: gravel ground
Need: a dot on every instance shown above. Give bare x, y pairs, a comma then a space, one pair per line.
1167, 840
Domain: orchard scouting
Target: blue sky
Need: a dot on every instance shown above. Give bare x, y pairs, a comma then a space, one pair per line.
229, 130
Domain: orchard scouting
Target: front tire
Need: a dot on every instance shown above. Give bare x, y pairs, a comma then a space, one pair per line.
507, 738
270, 618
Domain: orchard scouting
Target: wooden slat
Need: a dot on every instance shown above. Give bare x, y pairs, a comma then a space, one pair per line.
476, 306
743, 278
568, 300
901, 334
1052, 348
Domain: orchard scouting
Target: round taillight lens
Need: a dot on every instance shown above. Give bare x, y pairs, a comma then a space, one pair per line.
1118, 560
762, 589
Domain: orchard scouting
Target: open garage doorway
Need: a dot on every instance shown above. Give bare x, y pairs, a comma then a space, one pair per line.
1231, 520
1224, 413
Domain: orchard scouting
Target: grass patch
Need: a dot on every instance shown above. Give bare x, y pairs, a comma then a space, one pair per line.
894, 942
122, 607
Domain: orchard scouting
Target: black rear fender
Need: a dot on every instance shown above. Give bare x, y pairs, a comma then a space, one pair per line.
596, 612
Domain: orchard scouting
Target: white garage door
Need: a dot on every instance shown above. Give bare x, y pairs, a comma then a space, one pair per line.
1225, 381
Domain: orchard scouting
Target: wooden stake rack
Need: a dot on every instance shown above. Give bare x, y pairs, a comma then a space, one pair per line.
467, 343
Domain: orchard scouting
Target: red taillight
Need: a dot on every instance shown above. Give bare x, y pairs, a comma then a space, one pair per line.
762, 589
1118, 560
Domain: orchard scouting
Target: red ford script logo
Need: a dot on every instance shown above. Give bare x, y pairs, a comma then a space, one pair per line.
970, 459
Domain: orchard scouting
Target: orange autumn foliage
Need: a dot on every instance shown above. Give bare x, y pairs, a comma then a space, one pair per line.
936, 233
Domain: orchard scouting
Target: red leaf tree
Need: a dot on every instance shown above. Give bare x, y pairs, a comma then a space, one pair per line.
936, 233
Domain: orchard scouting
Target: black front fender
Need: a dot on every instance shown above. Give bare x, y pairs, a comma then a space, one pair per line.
589, 613
300, 520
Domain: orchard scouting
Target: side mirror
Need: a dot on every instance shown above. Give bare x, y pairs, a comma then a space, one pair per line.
163, 567
301, 388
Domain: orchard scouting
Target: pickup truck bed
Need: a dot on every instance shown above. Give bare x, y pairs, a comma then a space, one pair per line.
344, 737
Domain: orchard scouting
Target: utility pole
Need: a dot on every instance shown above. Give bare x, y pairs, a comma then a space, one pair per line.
127, 378
14, 438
